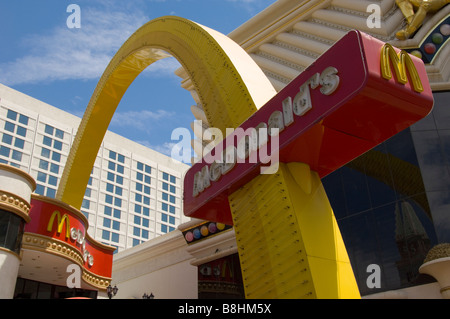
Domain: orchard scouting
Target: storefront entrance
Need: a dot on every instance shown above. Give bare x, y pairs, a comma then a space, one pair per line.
30, 289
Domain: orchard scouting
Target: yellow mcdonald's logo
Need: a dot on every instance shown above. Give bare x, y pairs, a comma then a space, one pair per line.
400, 62
226, 265
61, 221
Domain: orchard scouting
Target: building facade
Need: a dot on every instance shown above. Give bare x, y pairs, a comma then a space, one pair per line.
391, 203
134, 193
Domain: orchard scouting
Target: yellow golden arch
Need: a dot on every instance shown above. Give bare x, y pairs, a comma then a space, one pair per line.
230, 85
292, 262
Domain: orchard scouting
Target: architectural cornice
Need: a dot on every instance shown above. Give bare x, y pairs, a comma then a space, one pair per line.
56, 247
15, 204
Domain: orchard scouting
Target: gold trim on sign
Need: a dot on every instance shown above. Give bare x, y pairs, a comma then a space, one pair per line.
15, 204
56, 247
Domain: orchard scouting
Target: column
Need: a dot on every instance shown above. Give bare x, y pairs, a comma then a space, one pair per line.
16, 187
288, 239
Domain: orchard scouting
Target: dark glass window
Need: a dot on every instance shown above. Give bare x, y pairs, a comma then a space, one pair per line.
383, 211
11, 231
392, 203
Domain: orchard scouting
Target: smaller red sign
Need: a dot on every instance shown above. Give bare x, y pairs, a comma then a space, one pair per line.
59, 221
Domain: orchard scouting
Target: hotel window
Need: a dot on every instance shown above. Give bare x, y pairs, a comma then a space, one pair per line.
115, 168
86, 204
13, 115
114, 189
107, 234
170, 178
143, 173
13, 139
169, 188
144, 168
53, 140
136, 242
54, 168
168, 208
143, 178
7, 139
111, 236
107, 222
45, 191
50, 130
165, 228
117, 157
168, 219
142, 198
116, 225
107, 211
137, 208
114, 212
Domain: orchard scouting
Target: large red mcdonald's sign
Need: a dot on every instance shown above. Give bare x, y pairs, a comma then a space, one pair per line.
347, 102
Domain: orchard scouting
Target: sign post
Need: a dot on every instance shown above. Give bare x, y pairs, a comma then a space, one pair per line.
355, 96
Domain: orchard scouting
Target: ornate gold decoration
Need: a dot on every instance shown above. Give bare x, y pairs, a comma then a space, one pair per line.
56, 247
415, 12
438, 251
15, 204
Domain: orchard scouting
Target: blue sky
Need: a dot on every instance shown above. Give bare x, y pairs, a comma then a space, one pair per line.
42, 57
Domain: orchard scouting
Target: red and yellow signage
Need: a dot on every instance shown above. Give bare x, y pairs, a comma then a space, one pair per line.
344, 104
63, 223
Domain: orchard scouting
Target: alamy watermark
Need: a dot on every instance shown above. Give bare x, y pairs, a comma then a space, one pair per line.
374, 19
374, 279
74, 279
74, 19
252, 145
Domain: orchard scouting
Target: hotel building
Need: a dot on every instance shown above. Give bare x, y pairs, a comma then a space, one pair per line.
134, 193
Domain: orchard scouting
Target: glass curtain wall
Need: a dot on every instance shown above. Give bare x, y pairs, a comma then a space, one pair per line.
392, 203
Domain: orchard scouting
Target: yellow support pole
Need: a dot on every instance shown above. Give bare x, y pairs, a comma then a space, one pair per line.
288, 239
279, 259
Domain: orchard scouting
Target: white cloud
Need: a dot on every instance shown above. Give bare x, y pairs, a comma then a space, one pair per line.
80, 54
165, 148
165, 67
139, 120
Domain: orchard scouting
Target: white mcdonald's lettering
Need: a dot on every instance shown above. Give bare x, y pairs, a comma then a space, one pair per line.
400, 62
78, 236
253, 139
75, 234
